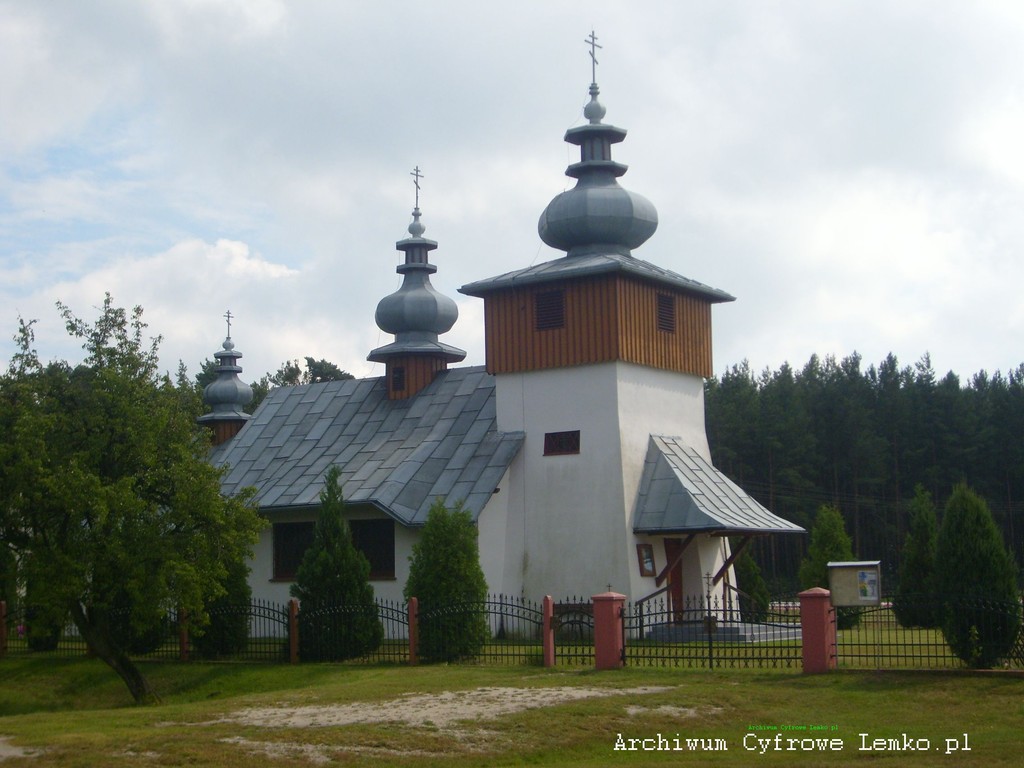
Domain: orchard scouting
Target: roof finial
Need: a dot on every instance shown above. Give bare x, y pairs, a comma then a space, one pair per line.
228, 316
415, 173
594, 110
592, 40
416, 229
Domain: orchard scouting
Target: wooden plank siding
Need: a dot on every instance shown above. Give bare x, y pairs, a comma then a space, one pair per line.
609, 317
420, 370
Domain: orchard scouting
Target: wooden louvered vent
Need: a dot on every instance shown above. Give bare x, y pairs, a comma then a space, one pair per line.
666, 312
549, 310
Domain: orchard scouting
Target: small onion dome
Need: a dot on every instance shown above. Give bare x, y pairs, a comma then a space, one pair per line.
227, 395
416, 313
597, 215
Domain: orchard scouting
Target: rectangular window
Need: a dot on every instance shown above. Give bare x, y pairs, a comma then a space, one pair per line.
561, 443
376, 540
291, 540
549, 310
666, 312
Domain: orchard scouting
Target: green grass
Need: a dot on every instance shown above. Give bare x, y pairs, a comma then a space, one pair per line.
79, 714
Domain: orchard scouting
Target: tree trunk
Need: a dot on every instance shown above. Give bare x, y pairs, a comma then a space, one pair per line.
95, 630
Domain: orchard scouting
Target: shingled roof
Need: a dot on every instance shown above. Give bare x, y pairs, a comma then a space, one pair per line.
682, 492
397, 455
590, 265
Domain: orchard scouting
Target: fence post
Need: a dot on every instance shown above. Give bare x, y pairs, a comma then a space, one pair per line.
609, 646
182, 635
548, 632
3, 628
413, 608
293, 631
818, 628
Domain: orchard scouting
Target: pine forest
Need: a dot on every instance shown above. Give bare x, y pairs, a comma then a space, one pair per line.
861, 440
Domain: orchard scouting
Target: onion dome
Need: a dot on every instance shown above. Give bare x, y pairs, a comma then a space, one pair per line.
597, 216
227, 395
416, 313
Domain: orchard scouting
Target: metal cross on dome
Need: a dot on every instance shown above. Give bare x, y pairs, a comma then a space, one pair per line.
592, 40
228, 316
415, 173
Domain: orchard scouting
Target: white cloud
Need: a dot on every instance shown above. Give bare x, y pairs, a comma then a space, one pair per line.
850, 173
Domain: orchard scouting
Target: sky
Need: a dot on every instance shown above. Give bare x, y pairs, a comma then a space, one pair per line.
852, 172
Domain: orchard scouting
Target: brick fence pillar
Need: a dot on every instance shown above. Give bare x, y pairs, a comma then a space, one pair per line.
549, 631
818, 627
414, 630
293, 631
609, 646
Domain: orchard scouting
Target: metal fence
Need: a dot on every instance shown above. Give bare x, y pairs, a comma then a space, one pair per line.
697, 632
574, 631
338, 632
254, 631
502, 630
33, 631
978, 632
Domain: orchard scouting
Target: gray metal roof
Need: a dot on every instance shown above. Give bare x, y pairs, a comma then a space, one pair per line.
398, 455
682, 492
587, 265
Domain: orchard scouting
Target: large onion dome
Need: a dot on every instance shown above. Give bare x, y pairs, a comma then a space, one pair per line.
597, 215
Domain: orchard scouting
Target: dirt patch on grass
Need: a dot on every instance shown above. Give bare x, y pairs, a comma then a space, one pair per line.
452, 714
9, 752
421, 709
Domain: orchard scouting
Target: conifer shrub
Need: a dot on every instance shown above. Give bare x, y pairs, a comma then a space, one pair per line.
916, 601
337, 614
829, 543
446, 578
754, 598
976, 577
227, 634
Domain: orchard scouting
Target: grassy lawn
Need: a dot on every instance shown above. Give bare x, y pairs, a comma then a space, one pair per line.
75, 713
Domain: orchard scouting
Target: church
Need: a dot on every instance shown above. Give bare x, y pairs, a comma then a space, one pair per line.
579, 446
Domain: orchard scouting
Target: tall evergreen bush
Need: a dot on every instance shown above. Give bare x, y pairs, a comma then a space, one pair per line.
446, 577
916, 600
829, 543
977, 581
754, 600
337, 615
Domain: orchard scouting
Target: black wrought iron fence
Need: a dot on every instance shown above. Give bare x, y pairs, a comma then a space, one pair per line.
502, 629
376, 632
934, 634
696, 632
574, 631
31, 630
254, 631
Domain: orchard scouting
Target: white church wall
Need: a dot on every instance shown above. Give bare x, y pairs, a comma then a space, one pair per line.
498, 542
572, 505
261, 565
576, 514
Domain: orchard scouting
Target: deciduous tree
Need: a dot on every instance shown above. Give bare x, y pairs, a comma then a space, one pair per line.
106, 495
